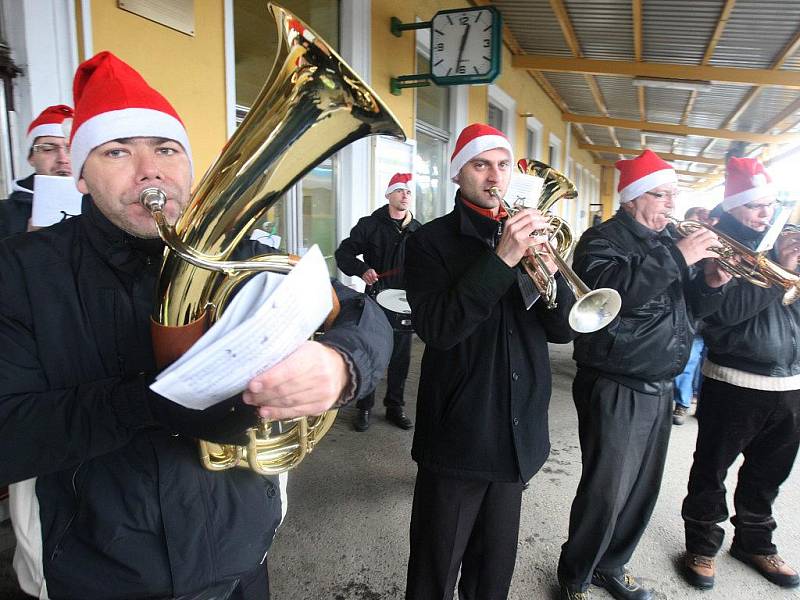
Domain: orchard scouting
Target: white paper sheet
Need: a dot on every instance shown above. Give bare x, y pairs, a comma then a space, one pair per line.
524, 190
267, 320
54, 199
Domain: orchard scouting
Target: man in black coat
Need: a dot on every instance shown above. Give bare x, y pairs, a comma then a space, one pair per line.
623, 386
109, 498
48, 154
750, 400
484, 385
380, 239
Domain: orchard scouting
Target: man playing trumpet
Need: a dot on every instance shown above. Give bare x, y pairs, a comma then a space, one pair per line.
623, 386
750, 399
484, 389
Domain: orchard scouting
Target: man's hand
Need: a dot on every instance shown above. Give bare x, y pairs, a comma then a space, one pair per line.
788, 250
716, 276
696, 246
516, 238
370, 277
307, 382
546, 256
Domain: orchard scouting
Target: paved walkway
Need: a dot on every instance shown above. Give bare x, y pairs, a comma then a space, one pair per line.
346, 533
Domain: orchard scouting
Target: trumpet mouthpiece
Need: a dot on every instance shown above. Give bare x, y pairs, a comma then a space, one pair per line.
153, 199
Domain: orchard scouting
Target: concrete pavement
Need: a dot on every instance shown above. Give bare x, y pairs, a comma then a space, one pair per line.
345, 536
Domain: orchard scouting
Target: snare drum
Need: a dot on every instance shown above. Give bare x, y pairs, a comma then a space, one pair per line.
397, 309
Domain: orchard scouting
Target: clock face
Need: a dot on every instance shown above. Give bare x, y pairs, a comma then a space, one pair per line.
465, 45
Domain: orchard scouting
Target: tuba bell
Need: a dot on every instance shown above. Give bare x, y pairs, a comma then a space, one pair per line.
593, 309
311, 105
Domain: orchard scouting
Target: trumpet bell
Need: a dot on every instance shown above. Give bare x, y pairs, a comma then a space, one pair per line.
594, 310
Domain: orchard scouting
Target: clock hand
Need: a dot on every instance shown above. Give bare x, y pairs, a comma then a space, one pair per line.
463, 43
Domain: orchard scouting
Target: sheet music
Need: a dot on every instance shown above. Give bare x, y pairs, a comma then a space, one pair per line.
783, 210
54, 199
267, 320
524, 190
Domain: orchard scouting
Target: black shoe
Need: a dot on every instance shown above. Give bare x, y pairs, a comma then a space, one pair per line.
399, 418
362, 420
621, 587
771, 566
568, 594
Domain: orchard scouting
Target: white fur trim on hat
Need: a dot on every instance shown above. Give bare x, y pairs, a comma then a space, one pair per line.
474, 147
400, 185
751, 195
49, 129
125, 123
647, 183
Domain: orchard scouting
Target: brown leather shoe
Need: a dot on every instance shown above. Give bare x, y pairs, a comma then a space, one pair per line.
699, 570
771, 566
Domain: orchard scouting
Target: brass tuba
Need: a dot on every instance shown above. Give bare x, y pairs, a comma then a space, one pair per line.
741, 262
311, 105
593, 309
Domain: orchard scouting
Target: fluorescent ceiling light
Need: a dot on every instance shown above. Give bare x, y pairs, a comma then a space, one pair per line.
691, 85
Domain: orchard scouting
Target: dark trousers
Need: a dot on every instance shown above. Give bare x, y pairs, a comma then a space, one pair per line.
462, 523
765, 428
624, 435
396, 376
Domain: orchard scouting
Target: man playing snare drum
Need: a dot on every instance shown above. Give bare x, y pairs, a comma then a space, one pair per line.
381, 238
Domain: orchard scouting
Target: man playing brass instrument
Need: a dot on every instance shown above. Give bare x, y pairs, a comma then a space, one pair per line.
484, 389
623, 386
750, 399
109, 498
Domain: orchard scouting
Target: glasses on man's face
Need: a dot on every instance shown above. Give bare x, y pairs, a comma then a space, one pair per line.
758, 205
664, 195
50, 149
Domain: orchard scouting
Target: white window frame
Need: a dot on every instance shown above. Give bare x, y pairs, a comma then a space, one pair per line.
508, 105
534, 125
554, 142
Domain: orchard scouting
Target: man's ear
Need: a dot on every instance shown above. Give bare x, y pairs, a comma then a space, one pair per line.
82, 186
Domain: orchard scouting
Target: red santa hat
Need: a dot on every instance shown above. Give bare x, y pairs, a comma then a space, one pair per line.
113, 101
53, 121
642, 174
746, 180
399, 181
473, 140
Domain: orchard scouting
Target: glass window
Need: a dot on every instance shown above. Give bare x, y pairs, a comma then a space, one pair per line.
495, 117
432, 101
319, 213
432, 132
306, 214
432, 170
532, 144
255, 37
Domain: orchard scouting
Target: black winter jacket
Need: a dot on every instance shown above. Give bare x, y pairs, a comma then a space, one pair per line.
648, 343
16, 209
484, 387
753, 331
126, 509
382, 242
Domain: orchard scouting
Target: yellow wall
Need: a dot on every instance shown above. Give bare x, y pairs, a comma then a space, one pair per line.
188, 70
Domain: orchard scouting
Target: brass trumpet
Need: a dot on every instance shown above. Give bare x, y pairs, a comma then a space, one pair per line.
741, 262
593, 309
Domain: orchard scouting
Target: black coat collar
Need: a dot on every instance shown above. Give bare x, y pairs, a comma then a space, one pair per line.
121, 250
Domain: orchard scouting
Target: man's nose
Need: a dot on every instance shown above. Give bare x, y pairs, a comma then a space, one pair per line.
147, 166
